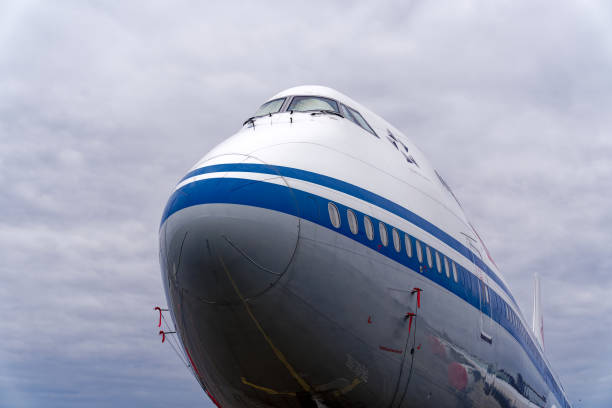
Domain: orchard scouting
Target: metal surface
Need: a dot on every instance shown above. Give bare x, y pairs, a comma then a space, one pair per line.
278, 307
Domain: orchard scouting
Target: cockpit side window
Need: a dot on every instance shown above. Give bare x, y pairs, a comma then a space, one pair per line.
347, 114
312, 103
356, 117
270, 107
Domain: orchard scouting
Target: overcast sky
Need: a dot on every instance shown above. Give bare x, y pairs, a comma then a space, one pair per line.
105, 105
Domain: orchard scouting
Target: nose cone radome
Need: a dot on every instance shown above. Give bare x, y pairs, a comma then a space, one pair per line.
219, 247
222, 249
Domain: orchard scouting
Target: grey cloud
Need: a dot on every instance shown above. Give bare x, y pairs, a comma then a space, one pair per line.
103, 106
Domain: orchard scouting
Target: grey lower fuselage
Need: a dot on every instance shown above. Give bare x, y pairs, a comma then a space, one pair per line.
277, 304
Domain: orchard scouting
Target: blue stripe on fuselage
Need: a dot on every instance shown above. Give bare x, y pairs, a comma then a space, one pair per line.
361, 194
275, 197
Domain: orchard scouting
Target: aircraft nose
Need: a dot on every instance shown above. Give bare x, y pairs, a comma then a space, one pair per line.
219, 246
225, 243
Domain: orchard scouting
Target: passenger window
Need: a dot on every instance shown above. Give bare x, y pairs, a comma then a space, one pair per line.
361, 121
352, 220
418, 250
384, 238
455, 272
487, 294
369, 228
438, 262
397, 243
334, 215
270, 107
312, 103
408, 245
429, 260
446, 268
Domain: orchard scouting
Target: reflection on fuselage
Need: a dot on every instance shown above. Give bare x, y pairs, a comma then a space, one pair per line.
317, 259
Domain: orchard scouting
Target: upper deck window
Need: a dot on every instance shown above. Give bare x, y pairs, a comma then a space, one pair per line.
369, 228
334, 215
397, 243
419, 252
352, 220
446, 267
312, 103
384, 238
270, 107
429, 260
408, 245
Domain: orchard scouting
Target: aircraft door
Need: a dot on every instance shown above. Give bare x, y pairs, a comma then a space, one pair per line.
484, 297
486, 324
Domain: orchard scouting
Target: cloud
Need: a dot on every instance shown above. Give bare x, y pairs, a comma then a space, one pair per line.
103, 106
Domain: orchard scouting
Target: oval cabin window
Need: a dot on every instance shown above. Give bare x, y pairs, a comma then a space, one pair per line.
408, 245
429, 260
384, 238
397, 243
334, 215
369, 228
438, 262
446, 268
352, 220
419, 251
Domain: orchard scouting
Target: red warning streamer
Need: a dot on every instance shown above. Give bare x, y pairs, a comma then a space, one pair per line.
410, 316
160, 310
163, 334
418, 292
160, 316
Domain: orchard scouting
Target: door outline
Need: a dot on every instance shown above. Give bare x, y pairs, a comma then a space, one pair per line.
484, 298
409, 352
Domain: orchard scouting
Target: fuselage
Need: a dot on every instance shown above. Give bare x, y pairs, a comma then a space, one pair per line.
316, 258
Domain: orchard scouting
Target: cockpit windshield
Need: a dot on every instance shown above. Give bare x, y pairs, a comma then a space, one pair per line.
315, 105
270, 107
312, 103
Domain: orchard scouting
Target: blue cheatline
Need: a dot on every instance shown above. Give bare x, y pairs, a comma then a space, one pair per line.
299, 203
361, 194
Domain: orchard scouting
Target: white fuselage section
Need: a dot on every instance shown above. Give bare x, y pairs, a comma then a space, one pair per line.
220, 246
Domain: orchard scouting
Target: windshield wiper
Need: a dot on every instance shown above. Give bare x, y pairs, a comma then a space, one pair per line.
252, 118
327, 111
249, 120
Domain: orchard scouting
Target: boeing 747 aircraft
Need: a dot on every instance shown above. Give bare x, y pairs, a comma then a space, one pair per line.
317, 259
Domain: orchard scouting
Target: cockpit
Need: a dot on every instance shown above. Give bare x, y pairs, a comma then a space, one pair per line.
315, 105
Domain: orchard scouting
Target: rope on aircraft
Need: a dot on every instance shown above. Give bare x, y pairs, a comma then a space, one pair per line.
172, 340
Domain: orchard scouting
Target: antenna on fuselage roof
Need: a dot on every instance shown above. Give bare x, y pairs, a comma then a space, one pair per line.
538, 319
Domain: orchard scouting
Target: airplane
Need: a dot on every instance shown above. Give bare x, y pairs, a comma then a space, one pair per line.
317, 259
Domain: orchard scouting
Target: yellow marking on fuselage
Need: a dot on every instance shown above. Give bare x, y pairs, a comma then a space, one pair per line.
276, 351
266, 389
348, 388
